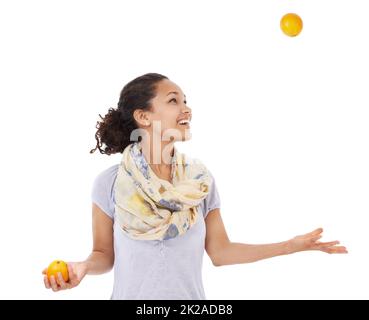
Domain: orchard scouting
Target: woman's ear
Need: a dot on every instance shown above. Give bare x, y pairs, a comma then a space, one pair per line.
141, 117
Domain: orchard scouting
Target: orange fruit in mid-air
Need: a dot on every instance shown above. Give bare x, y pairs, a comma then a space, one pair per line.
58, 266
291, 24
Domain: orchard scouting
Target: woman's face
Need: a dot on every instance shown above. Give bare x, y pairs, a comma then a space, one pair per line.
168, 110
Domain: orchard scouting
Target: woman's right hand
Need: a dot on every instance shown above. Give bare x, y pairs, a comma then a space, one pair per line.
76, 272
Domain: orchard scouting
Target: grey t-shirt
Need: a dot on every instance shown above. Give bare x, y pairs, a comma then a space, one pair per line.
155, 269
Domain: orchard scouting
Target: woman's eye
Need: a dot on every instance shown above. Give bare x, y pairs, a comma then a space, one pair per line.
185, 102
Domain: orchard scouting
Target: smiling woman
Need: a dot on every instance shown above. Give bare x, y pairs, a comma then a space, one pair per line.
157, 211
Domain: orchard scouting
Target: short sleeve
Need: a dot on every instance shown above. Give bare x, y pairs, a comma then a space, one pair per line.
102, 190
212, 200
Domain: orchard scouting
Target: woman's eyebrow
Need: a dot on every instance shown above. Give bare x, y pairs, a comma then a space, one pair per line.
175, 92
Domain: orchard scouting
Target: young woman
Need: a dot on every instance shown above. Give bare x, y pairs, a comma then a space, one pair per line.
156, 211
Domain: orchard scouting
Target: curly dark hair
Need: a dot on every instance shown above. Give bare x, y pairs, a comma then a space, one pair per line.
115, 129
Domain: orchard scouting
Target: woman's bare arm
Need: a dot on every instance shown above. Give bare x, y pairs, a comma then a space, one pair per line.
101, 259
224, 252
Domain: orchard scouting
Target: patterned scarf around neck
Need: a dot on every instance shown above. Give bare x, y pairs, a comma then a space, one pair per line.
150, 208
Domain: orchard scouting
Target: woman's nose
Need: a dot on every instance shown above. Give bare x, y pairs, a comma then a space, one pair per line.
186, 110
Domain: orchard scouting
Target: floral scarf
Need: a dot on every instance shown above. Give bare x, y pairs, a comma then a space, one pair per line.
150, 208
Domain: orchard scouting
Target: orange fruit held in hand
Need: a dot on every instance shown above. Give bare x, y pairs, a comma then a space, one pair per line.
58, 266
291, 24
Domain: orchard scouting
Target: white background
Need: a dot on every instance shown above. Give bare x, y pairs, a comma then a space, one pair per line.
281, 122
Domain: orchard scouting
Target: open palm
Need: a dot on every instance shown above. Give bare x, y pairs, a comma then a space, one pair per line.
309, 241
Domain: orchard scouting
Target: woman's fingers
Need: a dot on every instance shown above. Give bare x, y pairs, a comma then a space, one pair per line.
47, 282
337, 249
315, 232
44, 271
70, 270
327, 244
330, 247
57, 283
54, 285
73, 279
63, 285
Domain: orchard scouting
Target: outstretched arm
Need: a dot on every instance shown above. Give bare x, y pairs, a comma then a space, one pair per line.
224, 252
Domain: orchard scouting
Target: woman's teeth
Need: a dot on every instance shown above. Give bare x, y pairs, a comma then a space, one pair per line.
184, 122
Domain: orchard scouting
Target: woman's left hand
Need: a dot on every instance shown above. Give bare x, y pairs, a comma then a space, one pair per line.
309, 241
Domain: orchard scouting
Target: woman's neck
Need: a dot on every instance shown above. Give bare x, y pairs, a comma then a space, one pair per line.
159, 156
